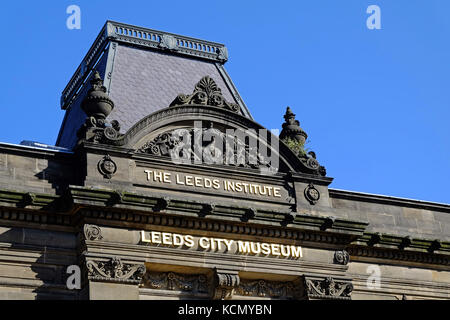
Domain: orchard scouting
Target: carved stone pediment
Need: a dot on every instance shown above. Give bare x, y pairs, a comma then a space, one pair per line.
157, 135
206, 92
225, 148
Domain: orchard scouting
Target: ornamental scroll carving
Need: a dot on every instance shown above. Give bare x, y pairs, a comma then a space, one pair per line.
341, 257
187, 145
328, 288
92, 232
174, 281
269, 289
114, 270
206, 92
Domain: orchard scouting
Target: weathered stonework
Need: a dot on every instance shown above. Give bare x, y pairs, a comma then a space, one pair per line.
142, 226
114, 270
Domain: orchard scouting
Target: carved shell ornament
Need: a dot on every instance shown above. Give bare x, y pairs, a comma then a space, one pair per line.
206, 92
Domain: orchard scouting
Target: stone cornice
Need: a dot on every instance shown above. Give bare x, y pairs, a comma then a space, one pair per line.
388, 241
112, 207
364, 253
22, 150
383, 199
385, 246
27, 199
234, 214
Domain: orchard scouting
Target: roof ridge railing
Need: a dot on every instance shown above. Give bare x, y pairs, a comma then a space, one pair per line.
120, 32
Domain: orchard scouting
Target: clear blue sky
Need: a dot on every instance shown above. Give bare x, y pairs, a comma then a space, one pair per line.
375, 103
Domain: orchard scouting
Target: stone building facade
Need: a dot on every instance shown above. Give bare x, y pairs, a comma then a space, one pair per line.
128, 196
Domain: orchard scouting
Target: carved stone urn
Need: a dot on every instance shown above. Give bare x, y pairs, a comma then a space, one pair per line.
291, 128
97, 103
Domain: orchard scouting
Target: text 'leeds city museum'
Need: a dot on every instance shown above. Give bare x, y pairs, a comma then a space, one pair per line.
128, 196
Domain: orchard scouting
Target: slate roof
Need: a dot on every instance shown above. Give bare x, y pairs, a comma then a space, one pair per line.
142, 75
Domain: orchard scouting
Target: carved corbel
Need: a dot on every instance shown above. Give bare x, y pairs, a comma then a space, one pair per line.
250, 213
115, 270
435, 245
328, 223
28, 199
406, 242
224, 285
288, 219
375, 239
162, 204
207, 209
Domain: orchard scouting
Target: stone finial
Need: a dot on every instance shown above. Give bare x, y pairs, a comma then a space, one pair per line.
291, 128
294, 138
97, 103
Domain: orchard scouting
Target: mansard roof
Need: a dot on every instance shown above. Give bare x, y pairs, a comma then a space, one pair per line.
144, 71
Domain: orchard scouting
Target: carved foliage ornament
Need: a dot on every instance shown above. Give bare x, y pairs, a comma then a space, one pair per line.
188, 145
175, 281
114, 270
206, 92
328, 289
263, 288
100, 131
341, 257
